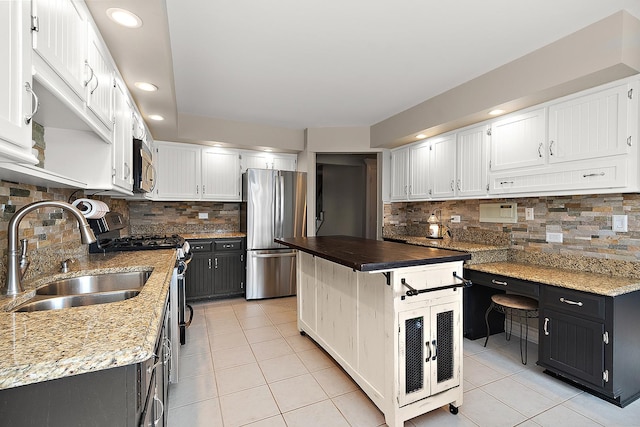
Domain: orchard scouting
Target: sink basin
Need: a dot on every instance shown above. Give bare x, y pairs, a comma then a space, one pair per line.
39, 303
95, 283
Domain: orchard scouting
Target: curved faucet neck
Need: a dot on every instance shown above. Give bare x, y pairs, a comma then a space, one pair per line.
13, 283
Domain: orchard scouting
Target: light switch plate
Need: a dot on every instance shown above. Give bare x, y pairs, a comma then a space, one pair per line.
203, 215
554, 237
620, 223
455, 218
528, 214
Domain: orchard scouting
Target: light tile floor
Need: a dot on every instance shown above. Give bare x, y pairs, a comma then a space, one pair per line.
245, 364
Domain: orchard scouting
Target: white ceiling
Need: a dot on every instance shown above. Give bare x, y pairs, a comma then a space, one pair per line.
304, 64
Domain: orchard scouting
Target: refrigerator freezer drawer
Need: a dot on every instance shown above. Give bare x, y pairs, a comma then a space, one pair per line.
271, 273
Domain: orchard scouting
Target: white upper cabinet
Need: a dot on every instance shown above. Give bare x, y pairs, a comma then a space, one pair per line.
257, 160
60, 39
418, 181
400, 174
443, 166
16, 98
471, 171
99, 83
517, 140
220, 175
178, 167
591, 126
122, 139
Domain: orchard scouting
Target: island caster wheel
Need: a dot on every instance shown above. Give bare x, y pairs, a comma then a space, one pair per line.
303, 333
453, 409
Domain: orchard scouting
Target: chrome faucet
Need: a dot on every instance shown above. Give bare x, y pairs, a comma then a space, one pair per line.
17, 259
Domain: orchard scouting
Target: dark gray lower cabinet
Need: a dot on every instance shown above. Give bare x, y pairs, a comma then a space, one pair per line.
217, 268
592, 340
127, 396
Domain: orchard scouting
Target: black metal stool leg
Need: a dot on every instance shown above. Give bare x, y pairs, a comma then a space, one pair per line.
486, 319
508, 312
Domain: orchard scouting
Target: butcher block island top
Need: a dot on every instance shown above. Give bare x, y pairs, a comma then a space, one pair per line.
371, 255
45, 345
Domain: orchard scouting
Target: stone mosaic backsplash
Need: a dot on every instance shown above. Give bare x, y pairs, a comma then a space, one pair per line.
584, 221
146, 217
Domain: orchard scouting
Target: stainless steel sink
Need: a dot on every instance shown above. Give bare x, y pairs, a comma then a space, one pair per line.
39, 303
95, 283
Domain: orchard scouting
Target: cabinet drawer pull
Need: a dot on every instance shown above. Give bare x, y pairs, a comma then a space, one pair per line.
506, 182
546, 324
593, 174
568, 301
497, 282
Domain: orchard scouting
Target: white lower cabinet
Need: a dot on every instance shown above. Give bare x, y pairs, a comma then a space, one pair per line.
403, 351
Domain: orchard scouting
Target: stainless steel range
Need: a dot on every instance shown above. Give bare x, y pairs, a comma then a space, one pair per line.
107, 231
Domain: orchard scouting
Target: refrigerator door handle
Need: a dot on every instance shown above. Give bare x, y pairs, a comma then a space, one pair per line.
289, 254
278, 217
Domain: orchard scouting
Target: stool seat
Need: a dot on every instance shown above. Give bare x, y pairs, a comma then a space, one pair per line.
510, 305
519, 302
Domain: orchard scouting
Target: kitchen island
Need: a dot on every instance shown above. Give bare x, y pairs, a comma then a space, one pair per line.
72, 364
390, 314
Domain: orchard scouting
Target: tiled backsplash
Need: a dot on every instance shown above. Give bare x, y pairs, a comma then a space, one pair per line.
584, 221
148, 217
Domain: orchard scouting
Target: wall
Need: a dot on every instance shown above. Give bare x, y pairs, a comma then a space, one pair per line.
585, 222
602, 52
52, 234
343, 200
146, 217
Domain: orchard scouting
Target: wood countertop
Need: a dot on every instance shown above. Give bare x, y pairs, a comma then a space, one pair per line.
371, 255
45, 345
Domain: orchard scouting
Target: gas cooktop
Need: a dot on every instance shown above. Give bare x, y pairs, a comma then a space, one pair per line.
136, 243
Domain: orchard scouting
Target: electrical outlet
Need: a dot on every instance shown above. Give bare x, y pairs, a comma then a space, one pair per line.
528, 214
554, 237
203, 215
455, 218
620, 223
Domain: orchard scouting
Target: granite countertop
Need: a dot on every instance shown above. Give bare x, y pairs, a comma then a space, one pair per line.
601, 284
371, 255
448, 244
45, 345
213, 235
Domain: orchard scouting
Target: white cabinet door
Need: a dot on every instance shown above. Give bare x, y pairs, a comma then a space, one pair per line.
591, 126
15, 75
399, 174
285, 162
517, 140
419, 172
472, 162
443, 166
100, 80
122, 140
178, 167
220, 175
60, 38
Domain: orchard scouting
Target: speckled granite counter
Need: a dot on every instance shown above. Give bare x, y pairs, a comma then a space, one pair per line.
479, 253
45, 345
222, 235
600, 284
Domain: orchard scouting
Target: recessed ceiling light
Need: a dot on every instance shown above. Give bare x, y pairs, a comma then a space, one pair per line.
268, 150
496, 112
147, 87
124, 17
155, 117
421, 136
217, 145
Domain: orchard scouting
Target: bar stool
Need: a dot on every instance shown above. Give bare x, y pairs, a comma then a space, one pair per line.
511, 304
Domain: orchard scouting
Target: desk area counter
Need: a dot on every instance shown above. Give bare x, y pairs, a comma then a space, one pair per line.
371, 255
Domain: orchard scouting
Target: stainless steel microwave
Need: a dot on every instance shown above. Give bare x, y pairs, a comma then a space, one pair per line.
144, 174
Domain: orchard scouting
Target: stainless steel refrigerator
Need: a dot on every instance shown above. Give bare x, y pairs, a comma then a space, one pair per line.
274, 205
